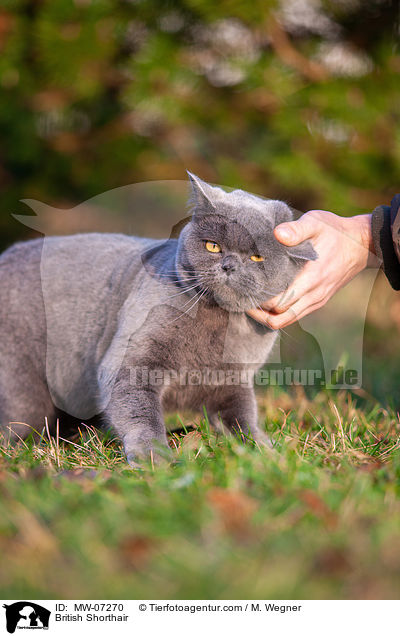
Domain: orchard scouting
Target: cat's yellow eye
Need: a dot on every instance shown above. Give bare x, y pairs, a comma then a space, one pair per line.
257, 258
212, 247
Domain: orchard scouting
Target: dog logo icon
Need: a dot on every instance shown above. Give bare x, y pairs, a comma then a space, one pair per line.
26, 615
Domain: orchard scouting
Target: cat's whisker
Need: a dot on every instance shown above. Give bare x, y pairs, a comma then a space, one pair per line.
288, 335
198, 281
257, 306
171, 278
199, 297
166, 272
177, 280
184, 291
196, 293
171, 274
181, 281
193, 297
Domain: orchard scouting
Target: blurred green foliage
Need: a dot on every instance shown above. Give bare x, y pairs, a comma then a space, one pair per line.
297, 99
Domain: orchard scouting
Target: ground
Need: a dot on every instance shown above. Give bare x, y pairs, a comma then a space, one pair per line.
316, 517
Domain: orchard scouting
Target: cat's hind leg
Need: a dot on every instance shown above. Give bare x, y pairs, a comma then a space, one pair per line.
25, 402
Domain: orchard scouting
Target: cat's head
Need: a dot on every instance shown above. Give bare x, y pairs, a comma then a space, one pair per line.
230, 248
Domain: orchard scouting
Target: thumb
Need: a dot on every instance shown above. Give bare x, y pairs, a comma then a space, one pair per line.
294, 232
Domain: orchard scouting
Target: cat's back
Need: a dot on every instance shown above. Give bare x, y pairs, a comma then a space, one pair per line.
75, 248
77, 279
78, 259
20, 284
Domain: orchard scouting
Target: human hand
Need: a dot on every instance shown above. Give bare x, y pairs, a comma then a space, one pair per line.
344, 247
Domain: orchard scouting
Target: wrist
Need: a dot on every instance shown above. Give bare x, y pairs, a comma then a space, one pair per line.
362, 233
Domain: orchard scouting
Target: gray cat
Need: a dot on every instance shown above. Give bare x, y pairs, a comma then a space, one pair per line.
122, 328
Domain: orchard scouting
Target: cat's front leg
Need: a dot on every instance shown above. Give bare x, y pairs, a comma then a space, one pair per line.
135, 414
237, 409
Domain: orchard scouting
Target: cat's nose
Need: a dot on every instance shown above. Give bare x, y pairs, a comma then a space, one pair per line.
229, 264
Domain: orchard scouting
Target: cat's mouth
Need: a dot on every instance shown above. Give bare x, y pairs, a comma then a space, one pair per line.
232, 295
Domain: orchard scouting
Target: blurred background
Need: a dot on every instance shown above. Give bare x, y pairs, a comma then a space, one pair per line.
297, 99
293, 99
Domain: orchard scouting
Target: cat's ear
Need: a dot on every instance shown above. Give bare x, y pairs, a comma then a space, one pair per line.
203, 196
302, 252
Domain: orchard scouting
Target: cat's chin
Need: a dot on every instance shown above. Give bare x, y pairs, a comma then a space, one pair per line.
239, 304
231, 302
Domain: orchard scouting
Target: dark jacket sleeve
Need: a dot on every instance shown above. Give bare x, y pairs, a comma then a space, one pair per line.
385, 228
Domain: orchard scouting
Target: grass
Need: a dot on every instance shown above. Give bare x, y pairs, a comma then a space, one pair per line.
316, 517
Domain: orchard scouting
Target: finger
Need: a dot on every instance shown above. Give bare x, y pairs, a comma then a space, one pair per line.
294, 232
261, 316
273, 321
306, 282
296, 312
302, 308
283, 302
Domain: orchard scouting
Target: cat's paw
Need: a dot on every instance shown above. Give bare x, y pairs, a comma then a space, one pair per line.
133, 462
263, 440
150, 457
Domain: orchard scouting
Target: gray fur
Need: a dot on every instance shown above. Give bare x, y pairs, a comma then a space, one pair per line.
84, 318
